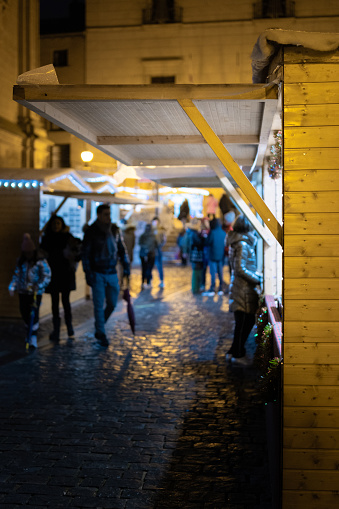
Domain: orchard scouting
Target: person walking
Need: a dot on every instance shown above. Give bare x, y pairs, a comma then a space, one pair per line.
216, 242
31, 276
102, 247
148, 246
243, 297
196, 253
160, 235
63, 254
128, 234
205, 230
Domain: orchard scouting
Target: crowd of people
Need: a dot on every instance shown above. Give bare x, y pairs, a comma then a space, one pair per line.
106, 253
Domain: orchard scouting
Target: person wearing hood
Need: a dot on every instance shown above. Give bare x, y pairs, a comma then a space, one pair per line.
148, 246
31, 276
63, 254
102, 247
243, 297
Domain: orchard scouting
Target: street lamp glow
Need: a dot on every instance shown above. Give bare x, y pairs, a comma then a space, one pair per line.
87, 156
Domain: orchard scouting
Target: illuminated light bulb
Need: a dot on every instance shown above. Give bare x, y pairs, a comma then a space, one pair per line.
20, 184
34, 184
6, 184
27, 184
13, 184
86, 156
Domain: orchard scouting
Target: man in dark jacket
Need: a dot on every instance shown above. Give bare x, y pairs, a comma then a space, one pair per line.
216, 243
102, 246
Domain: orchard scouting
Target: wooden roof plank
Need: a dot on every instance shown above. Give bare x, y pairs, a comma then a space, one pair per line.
174, 139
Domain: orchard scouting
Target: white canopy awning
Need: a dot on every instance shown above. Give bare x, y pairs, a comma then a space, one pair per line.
212, 133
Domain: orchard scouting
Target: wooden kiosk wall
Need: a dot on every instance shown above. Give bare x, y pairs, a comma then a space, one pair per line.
19, 214
311, 280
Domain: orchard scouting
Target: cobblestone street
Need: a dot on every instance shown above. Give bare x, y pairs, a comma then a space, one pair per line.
156, 421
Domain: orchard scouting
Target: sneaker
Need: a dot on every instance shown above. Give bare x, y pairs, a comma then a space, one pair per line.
220, 292
208, 294
102, 339
162, 284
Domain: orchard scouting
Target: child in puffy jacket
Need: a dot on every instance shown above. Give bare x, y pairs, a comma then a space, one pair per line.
31, 276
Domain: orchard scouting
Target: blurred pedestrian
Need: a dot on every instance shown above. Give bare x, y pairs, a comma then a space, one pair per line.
148, 246
196, 253
128, 233
243, 296
205, 229
31, 277
183, 245
160, 234
216, 243
211, 206
102, 247
184, 212
63, 254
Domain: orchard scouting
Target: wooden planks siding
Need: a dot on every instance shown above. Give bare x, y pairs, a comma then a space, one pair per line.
311, 280
19, 214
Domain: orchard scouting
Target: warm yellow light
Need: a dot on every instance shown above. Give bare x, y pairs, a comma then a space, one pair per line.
87, 156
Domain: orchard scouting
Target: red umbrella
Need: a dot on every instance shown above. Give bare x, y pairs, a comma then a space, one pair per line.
130, 311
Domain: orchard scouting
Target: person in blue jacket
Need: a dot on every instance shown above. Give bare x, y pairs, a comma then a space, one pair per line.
216, 243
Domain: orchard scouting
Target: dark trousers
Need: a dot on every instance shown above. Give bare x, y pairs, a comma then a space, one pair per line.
55, 296
243, 325
147, 264
26, 310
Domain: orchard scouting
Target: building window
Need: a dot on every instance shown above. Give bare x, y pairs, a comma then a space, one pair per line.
163, 79
274, 9
162, 11
60, 156
60, 58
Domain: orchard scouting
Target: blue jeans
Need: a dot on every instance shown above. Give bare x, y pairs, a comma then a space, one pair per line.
158, 263
105, 287
216, 268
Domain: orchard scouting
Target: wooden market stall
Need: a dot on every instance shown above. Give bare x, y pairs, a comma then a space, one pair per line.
222, 130
307, 66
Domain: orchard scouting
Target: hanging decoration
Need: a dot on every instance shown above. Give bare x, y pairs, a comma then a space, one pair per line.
268, 366
275, 160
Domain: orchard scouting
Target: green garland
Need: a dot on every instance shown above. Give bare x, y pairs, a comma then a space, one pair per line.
270, 368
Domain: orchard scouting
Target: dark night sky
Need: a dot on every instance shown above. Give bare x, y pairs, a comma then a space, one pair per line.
54, 9
62, 16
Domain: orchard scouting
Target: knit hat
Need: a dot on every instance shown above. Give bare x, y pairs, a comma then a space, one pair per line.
229, 217
27, 243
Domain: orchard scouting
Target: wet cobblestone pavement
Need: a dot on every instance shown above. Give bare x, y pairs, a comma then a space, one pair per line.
156, 422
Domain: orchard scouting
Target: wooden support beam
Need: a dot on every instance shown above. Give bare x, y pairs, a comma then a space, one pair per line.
232, 167
48, 93
242, 205
174, 140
